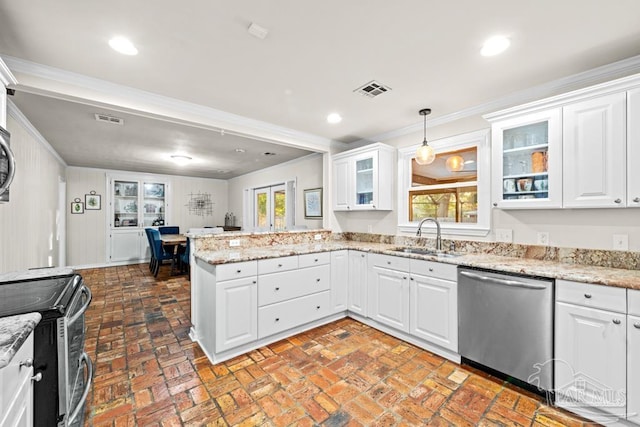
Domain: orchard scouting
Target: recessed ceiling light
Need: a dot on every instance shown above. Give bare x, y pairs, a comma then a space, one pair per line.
123, 45
495, 45
222, 171
334, 118
181, 159
240, 150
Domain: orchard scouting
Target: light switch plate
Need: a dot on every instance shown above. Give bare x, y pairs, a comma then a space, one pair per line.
504, 235
543, 238
620, 242
234, 242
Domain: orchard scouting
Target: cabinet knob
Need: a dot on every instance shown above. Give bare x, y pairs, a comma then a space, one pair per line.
27, 363
362, 255
495, 204
412, 278
317, 307
277, 289
315, 260
373, 206
618, 201
636, 325
431, 269
587, 296
636, 200
389, 262
404, 277
277, 319
616, 321
238, 271
348, 207
37, 377
279, 265
254, 282
317, 280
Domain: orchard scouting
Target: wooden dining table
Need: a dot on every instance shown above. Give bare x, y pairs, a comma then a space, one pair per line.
170, 242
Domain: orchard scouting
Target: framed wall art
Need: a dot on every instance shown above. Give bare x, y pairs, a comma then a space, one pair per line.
313, 203
92, 201
77, 206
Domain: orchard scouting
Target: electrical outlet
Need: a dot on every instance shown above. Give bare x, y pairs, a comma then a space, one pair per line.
318, 237
543, 238
621, 242
504, 235
234, 242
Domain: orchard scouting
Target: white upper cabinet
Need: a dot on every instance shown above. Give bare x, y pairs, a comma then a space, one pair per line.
527, 161
594, 138
363, 178
633, 148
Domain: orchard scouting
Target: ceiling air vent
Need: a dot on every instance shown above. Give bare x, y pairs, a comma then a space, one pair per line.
109, 119
372, 89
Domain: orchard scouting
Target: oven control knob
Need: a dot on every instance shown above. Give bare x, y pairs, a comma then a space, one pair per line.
37, 377
27, 363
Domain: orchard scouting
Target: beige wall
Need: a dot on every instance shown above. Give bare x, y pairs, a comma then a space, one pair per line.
308, 172
87, 233
28, 223
581, 228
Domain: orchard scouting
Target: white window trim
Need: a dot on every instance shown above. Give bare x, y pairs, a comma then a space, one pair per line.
248, 205
479, 139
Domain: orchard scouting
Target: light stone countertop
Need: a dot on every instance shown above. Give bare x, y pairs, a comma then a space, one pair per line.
14, 330
556, 270
35, 273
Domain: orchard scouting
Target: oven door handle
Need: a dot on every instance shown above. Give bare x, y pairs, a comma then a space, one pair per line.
86, 291
86, 360
11, 163
500, 281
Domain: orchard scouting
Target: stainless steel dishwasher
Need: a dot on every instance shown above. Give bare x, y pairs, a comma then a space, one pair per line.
505, 323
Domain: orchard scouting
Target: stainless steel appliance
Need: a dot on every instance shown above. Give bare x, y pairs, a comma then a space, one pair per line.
67, 371
506, 324
7, 165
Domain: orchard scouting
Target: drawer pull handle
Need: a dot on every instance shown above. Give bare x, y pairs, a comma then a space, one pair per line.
238, 271
636, 325
431, 269
587, 296
277, 319
317, 280
315, 260
37, 377
279, 265
27, 363
616, 321
254, 282
277, 289
389, 262
317, 307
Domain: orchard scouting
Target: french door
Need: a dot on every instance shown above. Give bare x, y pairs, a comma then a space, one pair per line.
270, 206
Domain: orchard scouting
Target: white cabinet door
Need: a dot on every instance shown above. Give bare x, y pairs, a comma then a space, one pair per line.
434, 311
341, 185
129, 245
594, 145
389, 298
339, 280
633, 369
236, 313
590, 357
357, 283
633, 148
21, 411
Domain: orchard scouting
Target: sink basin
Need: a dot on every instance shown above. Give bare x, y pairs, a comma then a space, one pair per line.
424, 251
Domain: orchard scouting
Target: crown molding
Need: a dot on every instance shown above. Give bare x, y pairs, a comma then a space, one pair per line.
164, 106
22, 120
606, 72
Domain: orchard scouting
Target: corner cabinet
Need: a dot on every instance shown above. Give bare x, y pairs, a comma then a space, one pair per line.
135, 202
363, 178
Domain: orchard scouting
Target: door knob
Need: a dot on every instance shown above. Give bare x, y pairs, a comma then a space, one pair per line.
37, 377
27, 363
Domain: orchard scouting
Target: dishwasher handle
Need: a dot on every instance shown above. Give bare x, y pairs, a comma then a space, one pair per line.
498, 281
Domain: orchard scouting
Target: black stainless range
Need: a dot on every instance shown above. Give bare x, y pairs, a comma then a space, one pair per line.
67, 371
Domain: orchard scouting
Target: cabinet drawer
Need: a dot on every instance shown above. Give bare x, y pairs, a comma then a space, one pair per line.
589, 295
435, 269
13, 374
390, 261
236, 270
309, 260
295, 312
634, 302
283, 286
273, 265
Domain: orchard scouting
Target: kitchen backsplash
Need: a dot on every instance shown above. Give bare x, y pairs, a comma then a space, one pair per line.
218, 242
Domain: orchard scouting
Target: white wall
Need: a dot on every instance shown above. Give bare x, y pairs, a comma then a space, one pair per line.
28, 223
308, 172
87, 233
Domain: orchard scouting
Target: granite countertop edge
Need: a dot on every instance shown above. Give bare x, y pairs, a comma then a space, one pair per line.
14, 331
616, 277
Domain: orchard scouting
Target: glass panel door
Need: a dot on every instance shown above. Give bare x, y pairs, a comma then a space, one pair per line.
364, 181
153, 204
262, 209
525, 162
278, 195
125, 204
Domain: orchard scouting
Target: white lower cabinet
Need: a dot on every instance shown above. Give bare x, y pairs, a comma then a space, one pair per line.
236, 312
339, 280
633, 369
129, 245
389, 299
16, 396
357, 283
288, 314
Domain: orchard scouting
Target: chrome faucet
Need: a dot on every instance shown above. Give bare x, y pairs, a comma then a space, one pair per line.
438, 235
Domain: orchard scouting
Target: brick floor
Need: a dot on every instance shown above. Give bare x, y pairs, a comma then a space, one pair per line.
149, 373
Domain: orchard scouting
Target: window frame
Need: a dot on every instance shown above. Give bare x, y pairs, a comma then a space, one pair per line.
480, 140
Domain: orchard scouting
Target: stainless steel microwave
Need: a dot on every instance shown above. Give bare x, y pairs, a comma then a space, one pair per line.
7, 165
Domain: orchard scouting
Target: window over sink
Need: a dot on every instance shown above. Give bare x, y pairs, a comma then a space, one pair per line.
455, 188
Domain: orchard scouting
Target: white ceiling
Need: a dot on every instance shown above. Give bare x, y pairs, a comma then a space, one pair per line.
315, 55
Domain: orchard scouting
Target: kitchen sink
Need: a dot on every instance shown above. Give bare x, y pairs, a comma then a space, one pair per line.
424, 251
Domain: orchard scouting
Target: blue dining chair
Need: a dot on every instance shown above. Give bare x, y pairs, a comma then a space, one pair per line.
169, 229
184, 258
153, 256
158, 252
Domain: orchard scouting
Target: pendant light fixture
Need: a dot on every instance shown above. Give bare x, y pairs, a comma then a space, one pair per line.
425, 154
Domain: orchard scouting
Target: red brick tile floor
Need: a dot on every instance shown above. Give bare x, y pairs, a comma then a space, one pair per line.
149, 373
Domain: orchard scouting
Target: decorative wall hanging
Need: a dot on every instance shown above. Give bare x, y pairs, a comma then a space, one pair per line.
200, 204
92, 201
77, 207
313, 203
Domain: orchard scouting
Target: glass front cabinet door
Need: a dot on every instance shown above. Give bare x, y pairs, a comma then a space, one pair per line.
527, 161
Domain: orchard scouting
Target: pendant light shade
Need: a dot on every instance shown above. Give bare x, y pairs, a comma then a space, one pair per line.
425, 154
455, 163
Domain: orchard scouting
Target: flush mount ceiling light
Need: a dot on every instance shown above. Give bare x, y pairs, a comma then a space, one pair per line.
334, 118
123, 45
180, 159
455, 163
257, 31
495, 45
240, 150
425, 154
